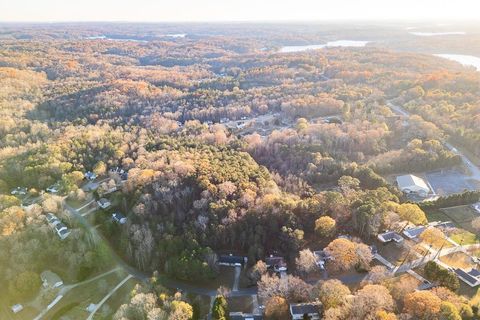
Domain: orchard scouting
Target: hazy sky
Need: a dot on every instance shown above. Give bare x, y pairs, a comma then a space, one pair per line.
238, 10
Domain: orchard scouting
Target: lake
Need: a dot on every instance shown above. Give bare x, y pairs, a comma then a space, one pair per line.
338, 43
433, 34
465, 60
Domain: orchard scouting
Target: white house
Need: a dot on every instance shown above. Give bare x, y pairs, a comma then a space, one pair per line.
50, 280
413, 184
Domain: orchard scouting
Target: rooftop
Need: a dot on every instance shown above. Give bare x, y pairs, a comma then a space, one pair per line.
231, 259
467, 277
409, 180
304, 308
390, 236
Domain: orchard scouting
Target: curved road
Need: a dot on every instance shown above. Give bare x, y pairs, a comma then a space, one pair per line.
474, 170
167, 282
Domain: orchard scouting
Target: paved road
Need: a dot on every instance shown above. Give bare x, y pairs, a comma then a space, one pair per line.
99, 305
169, 283
474, 170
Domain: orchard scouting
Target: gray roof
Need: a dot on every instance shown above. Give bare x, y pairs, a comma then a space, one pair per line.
50, 277
474, 273
414, 232
446, 225
245, 316
410, 180
304, 308
389, 236
466, 277
231, 259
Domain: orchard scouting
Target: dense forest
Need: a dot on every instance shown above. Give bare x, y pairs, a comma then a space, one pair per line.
168, 111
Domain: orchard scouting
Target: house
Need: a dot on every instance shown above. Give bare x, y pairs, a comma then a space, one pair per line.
321, 258
412, 184
63, 234
390, 236
104, 203
19, 191
443, 225
89, 175
244, 316
412, 233
119, 218
300, 311
50, 280
52, 219
231, 260
62, 230
278, 264
472, 278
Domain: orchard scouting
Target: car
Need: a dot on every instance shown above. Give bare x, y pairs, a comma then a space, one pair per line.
17, 308
19, 191
53, 188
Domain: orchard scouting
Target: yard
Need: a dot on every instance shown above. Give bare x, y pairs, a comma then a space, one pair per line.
75, 302
462, 216
458, 260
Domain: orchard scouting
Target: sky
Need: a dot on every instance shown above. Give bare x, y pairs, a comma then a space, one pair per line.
235, 10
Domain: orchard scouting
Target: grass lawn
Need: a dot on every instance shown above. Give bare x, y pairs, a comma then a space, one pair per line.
120, 297
436, 215
458, 260
461, 215
464, 237
225, 278
76, 300
240, 304
6, 313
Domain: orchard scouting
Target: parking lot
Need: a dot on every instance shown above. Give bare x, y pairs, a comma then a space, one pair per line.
450, 181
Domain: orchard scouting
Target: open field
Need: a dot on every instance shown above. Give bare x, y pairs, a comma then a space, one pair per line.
120, 297
462, 216
75, 302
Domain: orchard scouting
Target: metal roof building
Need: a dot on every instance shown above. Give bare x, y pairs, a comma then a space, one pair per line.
412, 184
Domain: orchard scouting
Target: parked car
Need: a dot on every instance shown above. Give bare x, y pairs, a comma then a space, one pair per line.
19, 191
